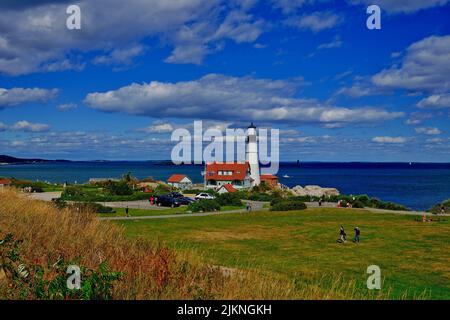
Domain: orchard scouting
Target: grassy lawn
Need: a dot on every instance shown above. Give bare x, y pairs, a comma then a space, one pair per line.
120, 212
414, 257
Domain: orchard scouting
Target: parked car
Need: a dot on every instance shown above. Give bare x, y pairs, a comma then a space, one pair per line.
205, 196
182, 199
167, 201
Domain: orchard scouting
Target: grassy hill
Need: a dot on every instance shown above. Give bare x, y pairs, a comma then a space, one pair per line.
270, 255
301, 246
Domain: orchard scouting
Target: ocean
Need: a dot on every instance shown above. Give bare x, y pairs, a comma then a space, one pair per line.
417, 185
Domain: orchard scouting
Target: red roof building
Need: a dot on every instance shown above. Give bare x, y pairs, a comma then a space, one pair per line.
269, 179
5, 182
180, 181
235, 174
226, 188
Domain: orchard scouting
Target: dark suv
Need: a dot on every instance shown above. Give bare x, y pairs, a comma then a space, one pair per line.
180, 198
167, 201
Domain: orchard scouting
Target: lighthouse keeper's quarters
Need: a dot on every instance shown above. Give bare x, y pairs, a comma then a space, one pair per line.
218, 174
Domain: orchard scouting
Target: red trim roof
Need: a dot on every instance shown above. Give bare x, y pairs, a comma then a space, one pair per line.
176, 178
239, 171
229, 188
5, 181
268, 177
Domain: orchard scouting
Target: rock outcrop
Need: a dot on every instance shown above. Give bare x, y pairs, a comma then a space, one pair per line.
314, 191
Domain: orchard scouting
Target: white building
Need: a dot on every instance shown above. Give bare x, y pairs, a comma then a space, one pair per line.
239, 175
251, 154
180, 181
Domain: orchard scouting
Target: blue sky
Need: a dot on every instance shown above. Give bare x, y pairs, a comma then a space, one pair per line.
118, 87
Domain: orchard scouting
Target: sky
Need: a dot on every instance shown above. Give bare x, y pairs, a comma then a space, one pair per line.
118, 87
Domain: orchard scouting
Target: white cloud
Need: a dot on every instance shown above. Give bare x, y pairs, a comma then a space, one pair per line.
218, 97
316, 21
428, 131
33, 37
158, 128
120, 56
403, 6
417, 118
29, 127
289, 6
389, 140
3, 126
435, 140
335, 43
67, 106
425, 68
16, 96
435, 101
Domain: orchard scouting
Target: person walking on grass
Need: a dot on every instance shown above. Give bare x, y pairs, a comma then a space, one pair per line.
126, 212
442, 208
357, 234
249, 207
342, 234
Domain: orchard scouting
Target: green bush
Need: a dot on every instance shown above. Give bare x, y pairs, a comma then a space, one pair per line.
344, 203
288, 205
204, 206
436, 209
83, 206
71, 192
118, 188
358, 204
229, 199
93, 207
259, 196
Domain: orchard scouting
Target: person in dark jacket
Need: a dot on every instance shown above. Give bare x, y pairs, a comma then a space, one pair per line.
357, 234
342, 234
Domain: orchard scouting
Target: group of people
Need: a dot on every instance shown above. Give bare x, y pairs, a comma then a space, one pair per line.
343, 235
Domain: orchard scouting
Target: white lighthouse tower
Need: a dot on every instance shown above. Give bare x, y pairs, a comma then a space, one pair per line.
252, 154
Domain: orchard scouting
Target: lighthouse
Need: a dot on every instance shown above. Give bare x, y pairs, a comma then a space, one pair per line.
252, 154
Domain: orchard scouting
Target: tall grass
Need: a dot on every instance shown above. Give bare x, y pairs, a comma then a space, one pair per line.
150, 271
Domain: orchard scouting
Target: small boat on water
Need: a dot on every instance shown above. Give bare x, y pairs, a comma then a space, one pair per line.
286, 176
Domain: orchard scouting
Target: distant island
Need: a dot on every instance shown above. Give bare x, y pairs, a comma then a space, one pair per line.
4, 159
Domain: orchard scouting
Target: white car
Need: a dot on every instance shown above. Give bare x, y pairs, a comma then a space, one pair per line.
205, 196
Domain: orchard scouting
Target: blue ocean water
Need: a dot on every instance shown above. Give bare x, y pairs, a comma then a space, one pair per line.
417, 186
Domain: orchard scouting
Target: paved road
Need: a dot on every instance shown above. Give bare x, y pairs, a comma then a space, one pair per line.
44, 196
141, 204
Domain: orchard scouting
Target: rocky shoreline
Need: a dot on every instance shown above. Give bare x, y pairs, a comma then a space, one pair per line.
314, 191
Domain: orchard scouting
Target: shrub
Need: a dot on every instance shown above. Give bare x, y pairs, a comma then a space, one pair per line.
344, 203
358, 204
288, 205
73, 192
436, 209
204, 206
120, 188
364, 199
83, 206
258, 196
229, 199
93, 207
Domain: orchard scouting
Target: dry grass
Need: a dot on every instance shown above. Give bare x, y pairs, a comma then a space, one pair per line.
151, 271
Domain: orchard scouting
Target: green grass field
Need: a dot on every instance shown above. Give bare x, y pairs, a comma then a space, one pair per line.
120, 212
414, 257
